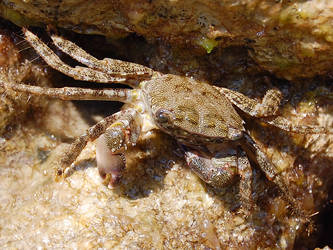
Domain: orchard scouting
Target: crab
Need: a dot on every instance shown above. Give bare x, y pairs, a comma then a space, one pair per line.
199, 116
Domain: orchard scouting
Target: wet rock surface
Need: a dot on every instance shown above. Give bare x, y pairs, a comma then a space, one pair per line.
292, 39
159, 203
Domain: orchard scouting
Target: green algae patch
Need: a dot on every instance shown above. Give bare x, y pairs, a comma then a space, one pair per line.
207, 44
16, 17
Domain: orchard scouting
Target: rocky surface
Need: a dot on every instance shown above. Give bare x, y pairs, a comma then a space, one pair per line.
159, 203
292, 39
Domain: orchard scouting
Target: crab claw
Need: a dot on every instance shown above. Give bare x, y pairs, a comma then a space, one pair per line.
110, 166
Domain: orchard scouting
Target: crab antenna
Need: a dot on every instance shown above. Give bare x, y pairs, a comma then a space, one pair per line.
67, 93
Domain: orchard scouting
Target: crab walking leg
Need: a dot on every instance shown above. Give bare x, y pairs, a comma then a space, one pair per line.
91, 134
271, 173
286, 125
245, 184
217, 172
221, 170
78, 73
107, 65
268, 107
67, 93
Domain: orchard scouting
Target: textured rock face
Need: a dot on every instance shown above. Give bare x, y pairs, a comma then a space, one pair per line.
292, 39
159, 203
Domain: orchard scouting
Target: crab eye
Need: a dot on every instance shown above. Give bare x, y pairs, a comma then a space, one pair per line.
162, 116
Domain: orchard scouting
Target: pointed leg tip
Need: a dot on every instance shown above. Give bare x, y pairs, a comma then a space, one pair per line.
60, 172
65, 171
26, 32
